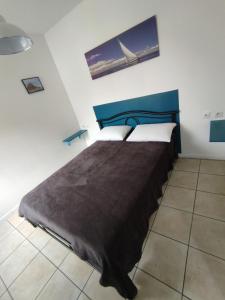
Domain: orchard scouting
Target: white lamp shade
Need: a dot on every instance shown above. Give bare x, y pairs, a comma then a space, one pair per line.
12, 39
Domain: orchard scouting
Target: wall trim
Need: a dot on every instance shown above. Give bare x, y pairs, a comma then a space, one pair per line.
202, 156
6, 215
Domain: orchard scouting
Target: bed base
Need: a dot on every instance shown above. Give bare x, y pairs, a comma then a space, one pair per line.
128, 290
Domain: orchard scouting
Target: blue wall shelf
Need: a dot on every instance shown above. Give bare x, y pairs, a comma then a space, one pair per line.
77, 134
217, 131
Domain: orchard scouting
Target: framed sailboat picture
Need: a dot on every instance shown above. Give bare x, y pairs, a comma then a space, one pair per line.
136, 45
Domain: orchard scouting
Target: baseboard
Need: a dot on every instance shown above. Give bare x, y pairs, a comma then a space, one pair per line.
202, 156
5, 216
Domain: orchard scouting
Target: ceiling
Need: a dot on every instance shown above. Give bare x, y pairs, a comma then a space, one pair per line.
35, 16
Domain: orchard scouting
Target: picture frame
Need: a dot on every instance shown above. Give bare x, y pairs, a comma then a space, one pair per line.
33, 84
136, 45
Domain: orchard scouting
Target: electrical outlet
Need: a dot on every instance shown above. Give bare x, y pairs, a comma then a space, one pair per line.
207, 115
219, 115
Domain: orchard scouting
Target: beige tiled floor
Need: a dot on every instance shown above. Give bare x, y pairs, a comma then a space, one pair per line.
183, 254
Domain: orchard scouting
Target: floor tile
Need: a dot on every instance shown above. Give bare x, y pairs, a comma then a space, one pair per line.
183, 179
96, 292
76, 269
164, 188
6, 296
173, 223
58, 288
211, 183
205, 276
15, 219
187, 164
179, 198
2, 287
83, 297
152, 289
144, 243
31, 281
216, 167
9, 244
165, 259
152, 219
5, 229
159, 200
55, 251
210, 205
17, 262
132, 273
26, 228
39, 238
208, 235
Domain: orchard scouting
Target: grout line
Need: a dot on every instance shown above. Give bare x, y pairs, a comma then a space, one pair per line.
1, 279
149, 231
12, 251
183, 187
179, 209
147, 237
186, 171
22, 272
196, 214
153, 276
59, 270
56, 269
211, 192
185, 268
205, 173
193, 212
180, 242
40, 252
211, 218
206, 192
189, 246
82, 291
200, 166
186, 297
213, 174
210, 254
85, 295
43, 287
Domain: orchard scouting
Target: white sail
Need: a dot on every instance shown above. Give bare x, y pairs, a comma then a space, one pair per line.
130, 56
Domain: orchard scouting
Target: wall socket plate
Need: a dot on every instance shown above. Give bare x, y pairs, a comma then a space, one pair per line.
207, 115
219, 115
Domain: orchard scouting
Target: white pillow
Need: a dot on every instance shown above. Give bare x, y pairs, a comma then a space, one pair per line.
113, 133
160, 132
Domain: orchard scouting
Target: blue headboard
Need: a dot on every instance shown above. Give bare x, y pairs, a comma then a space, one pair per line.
158, 108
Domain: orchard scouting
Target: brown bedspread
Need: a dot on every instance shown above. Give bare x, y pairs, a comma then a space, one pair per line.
101, 201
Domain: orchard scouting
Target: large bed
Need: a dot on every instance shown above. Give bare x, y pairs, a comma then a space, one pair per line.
99, 204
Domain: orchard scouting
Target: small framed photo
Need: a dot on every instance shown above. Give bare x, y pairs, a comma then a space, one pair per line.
33, 85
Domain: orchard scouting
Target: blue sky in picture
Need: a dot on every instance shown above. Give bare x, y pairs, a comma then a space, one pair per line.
135, 39
34, 81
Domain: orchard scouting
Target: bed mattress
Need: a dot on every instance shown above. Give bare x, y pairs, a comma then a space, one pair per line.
100, 203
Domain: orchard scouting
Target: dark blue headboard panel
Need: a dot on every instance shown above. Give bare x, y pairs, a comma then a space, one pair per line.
160, 103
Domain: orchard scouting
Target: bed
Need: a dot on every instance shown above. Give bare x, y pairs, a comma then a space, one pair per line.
99, 204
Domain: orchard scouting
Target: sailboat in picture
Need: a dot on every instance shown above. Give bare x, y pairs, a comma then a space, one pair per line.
134, 46
131, 57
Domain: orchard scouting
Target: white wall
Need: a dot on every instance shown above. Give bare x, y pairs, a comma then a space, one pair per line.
192, 46
32, 127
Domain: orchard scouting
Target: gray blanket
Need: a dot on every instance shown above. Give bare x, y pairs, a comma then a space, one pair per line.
101, 201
